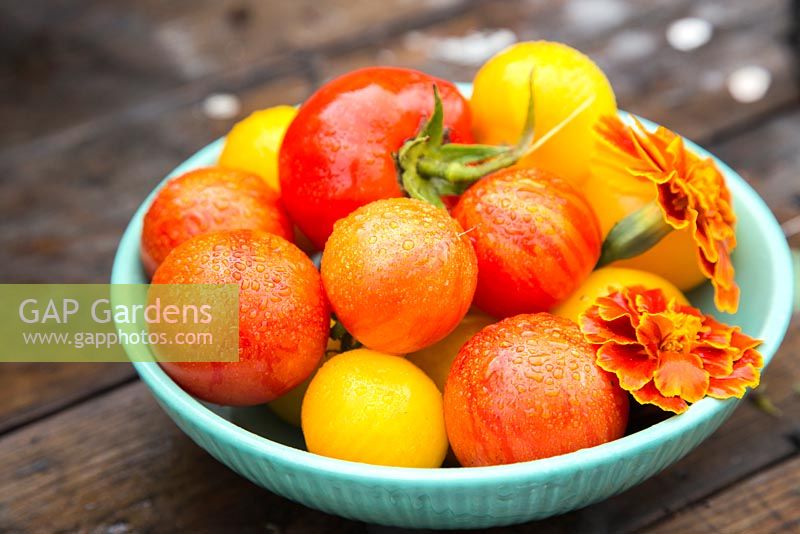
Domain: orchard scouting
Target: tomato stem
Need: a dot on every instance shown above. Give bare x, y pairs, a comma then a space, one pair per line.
431, 169
634, 235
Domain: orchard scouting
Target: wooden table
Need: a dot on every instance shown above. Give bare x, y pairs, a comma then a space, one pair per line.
100, 101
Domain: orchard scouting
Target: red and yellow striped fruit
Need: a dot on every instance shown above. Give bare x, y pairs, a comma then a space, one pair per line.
399, 274
528, 388
207, 200
536, 238
284, 317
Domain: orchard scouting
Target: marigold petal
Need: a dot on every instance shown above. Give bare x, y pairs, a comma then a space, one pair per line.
598, 331
649, 394
651, 331
672, 201
717, 362
688, 309
706, 247
681, 375
752, 357
716, 334
669, 354
651, 146
677, 154
746, 373
632, 366
613, 307
648, 300
726, 292
616, 154
616, 135
742, 341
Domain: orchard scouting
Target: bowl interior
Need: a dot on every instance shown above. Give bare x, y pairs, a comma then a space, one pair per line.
763, 271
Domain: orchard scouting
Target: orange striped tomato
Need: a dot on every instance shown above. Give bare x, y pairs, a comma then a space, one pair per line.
399, 274
535, 236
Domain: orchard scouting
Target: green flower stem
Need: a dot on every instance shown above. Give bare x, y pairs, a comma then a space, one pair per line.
634, 235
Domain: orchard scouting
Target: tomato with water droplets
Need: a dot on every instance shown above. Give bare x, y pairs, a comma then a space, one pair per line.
536, 238
399, 274
528, 388
339, 153
284, 317
208, 200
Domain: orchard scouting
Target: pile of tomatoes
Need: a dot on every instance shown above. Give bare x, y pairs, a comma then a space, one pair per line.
442, 311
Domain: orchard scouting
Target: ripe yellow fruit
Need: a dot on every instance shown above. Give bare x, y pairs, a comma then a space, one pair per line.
370, 407
598, 284
564, 79
288, 406
435, 360
253, 143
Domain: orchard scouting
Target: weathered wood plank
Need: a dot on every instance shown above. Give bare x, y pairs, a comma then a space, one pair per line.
34, 390
63, 217
769, 502
118, 464
67, 62
768, 156
147, 135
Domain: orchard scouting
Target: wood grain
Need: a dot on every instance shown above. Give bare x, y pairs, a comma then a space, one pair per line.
118, 464
768, 156
35, 390
65, 214
69, 62
767, 503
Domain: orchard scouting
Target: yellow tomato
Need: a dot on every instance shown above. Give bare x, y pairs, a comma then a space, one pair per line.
287, 407
673, 258
253, 143
601, 280
367, 406
563, 78
436, 359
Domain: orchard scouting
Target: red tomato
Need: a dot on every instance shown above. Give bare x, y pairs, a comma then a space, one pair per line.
284, 317
536, 238
399, 274
207, 200
338, 153
527, 388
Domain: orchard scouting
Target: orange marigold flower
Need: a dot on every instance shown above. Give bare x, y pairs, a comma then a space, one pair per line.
669, 354
691, 194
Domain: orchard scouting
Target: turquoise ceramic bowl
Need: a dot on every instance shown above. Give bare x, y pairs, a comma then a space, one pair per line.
261, 448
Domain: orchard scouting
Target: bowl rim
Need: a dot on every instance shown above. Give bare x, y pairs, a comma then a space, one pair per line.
775, 326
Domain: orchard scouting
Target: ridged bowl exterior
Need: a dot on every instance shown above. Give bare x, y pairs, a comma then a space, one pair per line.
486, 496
